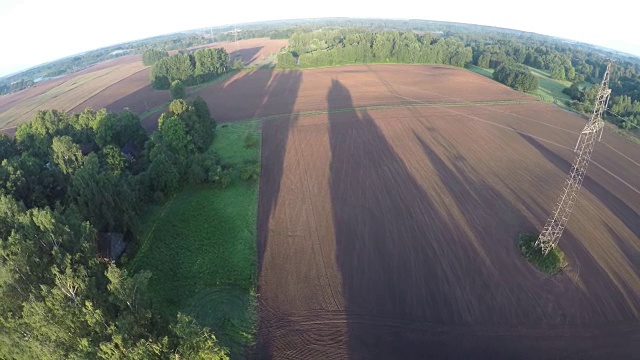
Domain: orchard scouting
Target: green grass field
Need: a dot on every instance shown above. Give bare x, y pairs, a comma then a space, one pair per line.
549, 90
482, 71
201, 248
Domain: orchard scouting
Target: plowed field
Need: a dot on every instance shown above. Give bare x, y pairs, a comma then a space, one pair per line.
391, 198
66, 93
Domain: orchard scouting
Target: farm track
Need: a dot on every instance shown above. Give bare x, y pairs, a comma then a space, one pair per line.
417, 204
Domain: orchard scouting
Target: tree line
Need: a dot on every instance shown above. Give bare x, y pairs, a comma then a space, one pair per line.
579, 64
190, 69
356, 46
66, 178
15, 86
460, 44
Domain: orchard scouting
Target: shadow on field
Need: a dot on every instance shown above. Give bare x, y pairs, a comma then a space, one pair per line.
618, 207
246, 55
250, 94
604, 281
383, 251
141, 100
408, 271
275, 134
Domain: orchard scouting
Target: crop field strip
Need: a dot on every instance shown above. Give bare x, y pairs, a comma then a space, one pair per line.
68, 94
320, 330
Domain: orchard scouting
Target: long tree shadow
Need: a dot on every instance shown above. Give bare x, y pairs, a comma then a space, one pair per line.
407, 270
617, 206
245, 55
275, 136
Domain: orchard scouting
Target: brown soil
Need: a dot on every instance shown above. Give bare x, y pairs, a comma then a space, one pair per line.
113, 84
248, 50
133, 92
10, 100
66, 93
391, 233
243, 96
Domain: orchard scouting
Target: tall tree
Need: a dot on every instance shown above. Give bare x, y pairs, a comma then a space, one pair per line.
66, 154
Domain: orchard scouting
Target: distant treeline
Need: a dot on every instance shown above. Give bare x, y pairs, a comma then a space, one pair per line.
15, 86
315, 43
581, 65
355, 46
76, 63
277, 33
190, 69
151, 56
66, 178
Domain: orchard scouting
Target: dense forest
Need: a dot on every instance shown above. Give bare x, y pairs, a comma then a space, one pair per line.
190, 69
354, 46
68, 65
64, 180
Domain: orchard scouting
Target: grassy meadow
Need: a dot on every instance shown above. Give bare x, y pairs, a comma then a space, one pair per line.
201, 248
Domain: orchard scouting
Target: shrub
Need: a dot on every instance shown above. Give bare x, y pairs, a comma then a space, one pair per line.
250, 139
250, 172
219, 177
177, 90
551, 263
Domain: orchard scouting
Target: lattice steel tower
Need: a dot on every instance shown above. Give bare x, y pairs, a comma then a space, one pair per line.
554, 227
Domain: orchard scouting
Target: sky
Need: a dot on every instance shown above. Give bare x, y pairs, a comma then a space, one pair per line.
38, 31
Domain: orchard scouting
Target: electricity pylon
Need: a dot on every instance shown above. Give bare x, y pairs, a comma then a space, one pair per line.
556, 223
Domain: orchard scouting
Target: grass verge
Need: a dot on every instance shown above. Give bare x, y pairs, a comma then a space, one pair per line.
482, 71
201, 249
550, 90
552, 263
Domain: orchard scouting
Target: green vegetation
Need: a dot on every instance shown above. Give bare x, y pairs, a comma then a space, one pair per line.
516, 76
552, 263
482, 71
151, 56
177, 90
65, 181
551, 90
201, 248
195, 68
357, 46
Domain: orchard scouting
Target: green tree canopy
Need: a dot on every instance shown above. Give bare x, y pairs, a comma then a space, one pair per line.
151, 56
177, 90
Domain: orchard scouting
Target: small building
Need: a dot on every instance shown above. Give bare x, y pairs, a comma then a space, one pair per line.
110, 245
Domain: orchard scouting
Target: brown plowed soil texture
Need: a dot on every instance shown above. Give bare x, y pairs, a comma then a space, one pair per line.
261, 93
248, 50
7, 101
133, 92
68, 93
391, 232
